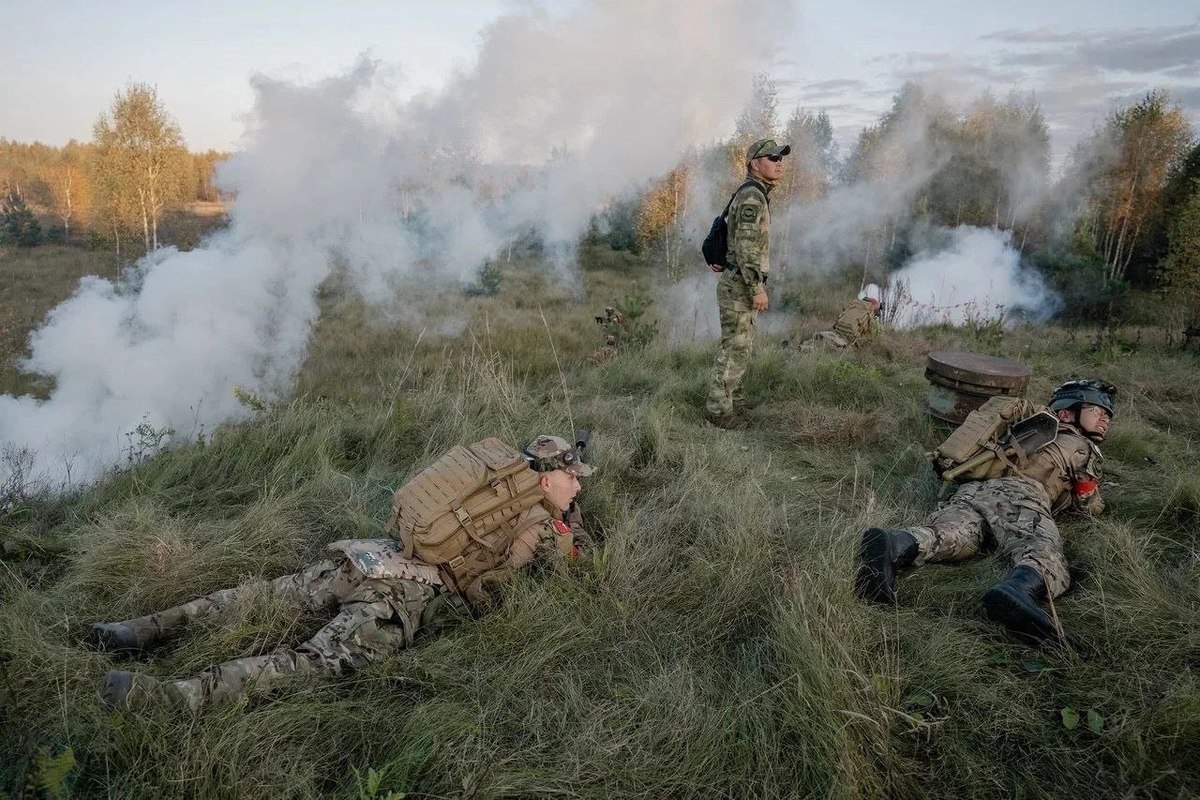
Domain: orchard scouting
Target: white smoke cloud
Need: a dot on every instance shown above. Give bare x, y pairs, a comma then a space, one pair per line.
854, 225
974, 276
561, 112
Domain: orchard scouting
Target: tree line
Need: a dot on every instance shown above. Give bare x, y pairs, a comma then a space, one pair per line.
111, 191
1123, 210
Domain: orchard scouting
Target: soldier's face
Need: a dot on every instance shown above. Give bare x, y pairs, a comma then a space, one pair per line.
767, 169
1094, 420
560, 488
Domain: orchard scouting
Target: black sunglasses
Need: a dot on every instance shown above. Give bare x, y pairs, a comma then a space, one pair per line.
775, 159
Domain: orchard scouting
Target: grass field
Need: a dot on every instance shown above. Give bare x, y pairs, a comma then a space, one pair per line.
712, 646
34, 281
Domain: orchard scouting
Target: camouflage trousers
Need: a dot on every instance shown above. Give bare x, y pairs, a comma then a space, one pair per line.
376, 616
737, 339
598, 357
826, 340
1014, 512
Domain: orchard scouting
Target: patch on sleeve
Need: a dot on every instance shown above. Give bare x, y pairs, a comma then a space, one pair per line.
560, 527
748, 213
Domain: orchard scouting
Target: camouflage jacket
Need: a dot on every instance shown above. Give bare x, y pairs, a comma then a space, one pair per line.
549, 535
856, 322
383, 560
749, 222
546, 537
1069, 470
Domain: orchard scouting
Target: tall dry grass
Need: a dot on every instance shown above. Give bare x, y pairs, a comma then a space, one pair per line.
712, 646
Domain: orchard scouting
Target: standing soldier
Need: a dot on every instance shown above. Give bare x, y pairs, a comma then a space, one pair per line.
468, 523
742, 289
1015, 509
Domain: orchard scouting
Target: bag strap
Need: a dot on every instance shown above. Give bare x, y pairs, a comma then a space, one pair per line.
748, 182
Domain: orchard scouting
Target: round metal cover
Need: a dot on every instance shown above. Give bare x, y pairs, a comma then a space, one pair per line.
961, 366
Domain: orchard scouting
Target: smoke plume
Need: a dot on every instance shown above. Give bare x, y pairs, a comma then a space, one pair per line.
974, 276
559, 113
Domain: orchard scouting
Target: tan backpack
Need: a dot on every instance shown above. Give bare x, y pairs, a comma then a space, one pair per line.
462, 512
980, 433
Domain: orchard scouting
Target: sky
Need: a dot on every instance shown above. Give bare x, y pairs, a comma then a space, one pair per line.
64, 61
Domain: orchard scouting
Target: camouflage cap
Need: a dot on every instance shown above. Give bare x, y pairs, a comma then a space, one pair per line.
766, 147
547, 453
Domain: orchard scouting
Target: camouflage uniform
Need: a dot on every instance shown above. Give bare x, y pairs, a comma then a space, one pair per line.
383, 601
1018, 510
854, 324
749, 221
614, 323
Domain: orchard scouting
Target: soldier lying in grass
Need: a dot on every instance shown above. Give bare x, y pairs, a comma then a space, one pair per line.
857, 323
1011, 501
516, 511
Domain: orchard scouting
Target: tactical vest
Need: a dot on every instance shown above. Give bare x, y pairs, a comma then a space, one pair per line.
982, 431
463, 512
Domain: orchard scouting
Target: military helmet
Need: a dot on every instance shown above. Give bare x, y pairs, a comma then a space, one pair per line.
1096, 392
871, 292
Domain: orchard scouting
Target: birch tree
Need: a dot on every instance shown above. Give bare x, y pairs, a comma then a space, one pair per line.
68, 185
141, 159
660, 217
1129, 160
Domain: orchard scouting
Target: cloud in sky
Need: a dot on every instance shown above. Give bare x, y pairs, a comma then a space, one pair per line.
1033, 36
1144, 50
835, 85
1078, 76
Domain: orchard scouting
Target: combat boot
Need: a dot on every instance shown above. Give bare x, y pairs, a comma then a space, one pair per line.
130, 636
130, 691
883, 551
1016, 603
115, 637
730, 422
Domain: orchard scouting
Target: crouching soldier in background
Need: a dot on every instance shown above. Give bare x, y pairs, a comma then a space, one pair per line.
854, 325
1010, 497
465, 525
615, 331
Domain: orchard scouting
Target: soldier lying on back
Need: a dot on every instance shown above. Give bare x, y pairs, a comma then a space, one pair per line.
1016, 510
385, 591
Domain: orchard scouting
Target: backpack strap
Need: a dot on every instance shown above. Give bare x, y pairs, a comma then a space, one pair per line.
747, 182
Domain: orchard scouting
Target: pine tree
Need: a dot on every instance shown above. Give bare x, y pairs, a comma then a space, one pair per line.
18, 225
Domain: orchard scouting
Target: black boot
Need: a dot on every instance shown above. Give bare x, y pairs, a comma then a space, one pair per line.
123, 691
730, 422
117, 637
1016, 603
883, 551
